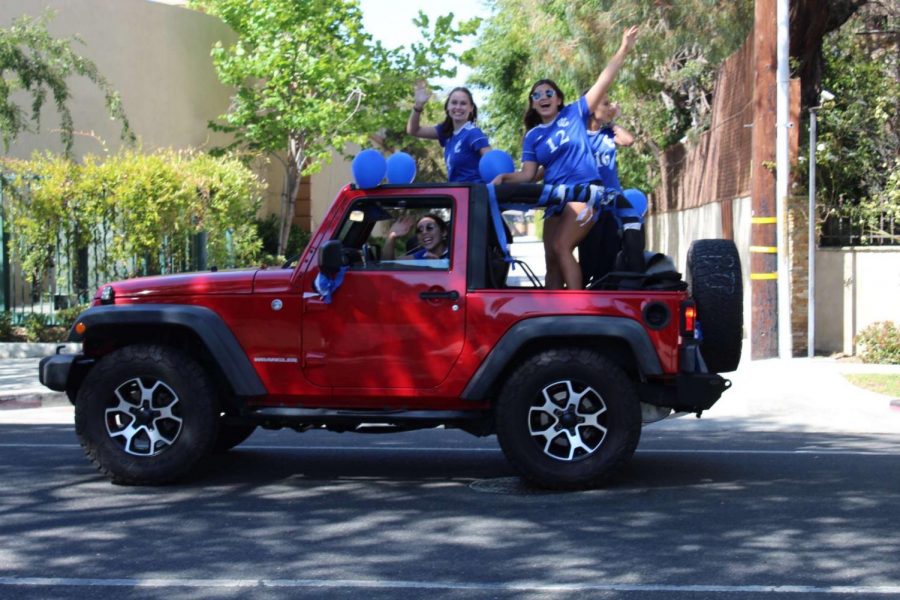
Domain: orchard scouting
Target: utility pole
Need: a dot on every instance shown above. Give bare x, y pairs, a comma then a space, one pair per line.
764, 221
782, 179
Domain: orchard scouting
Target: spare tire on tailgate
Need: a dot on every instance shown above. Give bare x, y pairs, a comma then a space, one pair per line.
714, 277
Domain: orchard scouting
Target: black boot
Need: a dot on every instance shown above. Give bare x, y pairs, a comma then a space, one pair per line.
633, 250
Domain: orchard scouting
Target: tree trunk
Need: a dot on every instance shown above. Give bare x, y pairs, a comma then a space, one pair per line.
293, 178
811, 20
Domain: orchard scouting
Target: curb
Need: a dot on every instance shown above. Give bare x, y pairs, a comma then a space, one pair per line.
32, 399
35, 349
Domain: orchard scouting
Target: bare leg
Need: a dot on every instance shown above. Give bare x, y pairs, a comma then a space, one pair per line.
554, 277
567, 236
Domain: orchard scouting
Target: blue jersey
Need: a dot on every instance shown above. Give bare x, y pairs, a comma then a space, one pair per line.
421, 253
603, 145
562, 147
462, 152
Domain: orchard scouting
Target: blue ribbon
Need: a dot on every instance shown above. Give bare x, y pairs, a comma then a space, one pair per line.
497, 218
326, 287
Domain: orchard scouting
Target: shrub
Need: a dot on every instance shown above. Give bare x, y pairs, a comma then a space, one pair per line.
65, 317
138, 213
39, 328
6, 327
880, 343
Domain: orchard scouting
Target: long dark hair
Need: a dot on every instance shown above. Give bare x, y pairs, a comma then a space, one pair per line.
532, 119
441, 223
446, 128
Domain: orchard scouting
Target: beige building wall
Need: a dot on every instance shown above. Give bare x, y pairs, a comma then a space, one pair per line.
855, 287
317, 192
325, 185
155, 55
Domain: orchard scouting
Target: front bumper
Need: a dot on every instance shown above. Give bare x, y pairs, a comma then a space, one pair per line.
53, 371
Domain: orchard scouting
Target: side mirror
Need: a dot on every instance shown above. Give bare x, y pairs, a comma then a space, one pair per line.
330, 258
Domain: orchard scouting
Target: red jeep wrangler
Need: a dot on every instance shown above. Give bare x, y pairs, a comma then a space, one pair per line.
173, 368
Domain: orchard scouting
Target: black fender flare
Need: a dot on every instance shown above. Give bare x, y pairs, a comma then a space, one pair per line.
209, 327
577, 326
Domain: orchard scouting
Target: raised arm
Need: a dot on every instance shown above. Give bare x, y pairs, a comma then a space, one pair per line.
400, 229
606, 78
413, 127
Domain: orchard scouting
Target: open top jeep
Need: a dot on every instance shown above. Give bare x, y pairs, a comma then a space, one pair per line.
344, 338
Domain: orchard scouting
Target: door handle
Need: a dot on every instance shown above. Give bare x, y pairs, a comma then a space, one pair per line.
451, 295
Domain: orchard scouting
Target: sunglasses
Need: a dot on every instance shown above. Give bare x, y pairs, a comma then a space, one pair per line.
429, 227
547, 93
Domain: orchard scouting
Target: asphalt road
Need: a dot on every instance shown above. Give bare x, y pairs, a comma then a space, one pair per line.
439, 514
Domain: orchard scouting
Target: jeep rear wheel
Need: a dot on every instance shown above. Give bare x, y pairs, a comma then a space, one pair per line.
146, 414
568, 419
714, 275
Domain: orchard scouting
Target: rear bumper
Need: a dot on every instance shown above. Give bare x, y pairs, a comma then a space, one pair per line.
699, 391
685, 392
692, 389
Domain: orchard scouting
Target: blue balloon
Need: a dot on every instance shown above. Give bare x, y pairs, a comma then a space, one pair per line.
368, 168
494, 163
401, 168
638, 201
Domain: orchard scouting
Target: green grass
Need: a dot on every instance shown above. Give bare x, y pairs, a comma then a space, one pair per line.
889, 385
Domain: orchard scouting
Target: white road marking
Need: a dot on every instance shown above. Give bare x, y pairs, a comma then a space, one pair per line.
513, 586
799, 451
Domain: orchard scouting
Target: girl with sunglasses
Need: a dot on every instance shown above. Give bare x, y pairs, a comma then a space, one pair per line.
431, 238
463, 142
556, 139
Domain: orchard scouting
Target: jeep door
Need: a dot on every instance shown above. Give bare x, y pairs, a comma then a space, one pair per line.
397, 319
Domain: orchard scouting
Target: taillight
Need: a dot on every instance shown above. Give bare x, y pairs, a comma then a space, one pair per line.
688, 318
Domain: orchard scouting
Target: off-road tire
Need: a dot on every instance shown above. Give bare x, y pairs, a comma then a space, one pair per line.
714, 277
181, 411
541, 457
231, 435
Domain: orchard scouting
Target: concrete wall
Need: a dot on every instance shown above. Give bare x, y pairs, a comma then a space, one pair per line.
855, 287
325, 185
155, 55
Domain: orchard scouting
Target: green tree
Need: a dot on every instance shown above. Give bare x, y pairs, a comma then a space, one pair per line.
432, 59
309, 80
664, 89
33, 61
858, 149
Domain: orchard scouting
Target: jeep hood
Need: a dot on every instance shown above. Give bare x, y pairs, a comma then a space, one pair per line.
186, 284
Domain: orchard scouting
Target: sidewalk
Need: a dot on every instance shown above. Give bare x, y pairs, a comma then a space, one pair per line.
20, 388
796, 395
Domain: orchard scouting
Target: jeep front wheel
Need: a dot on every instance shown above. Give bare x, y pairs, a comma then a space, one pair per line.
146, 414
568, 419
